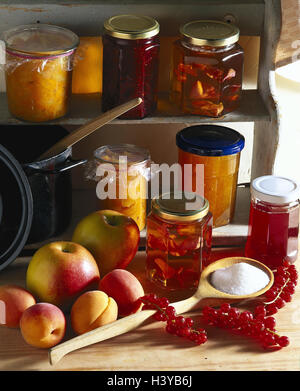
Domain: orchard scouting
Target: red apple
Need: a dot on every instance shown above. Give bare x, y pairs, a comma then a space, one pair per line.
110, 236
60, 271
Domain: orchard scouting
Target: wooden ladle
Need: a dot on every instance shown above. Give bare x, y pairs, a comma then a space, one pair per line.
89, 128
205, 290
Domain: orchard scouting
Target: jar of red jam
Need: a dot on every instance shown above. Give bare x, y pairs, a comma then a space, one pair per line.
179, 236
130, 63
274, 221
207, 68
216, 151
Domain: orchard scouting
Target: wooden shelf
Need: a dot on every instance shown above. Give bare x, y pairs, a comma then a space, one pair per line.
86, 107
234, 234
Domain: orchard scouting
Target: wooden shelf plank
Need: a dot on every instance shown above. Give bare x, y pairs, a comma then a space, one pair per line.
86, 107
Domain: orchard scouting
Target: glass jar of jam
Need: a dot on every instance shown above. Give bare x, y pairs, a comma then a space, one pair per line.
123, 180
130, 63
217, 149
273, 221
179, 235
38, 71
207, 68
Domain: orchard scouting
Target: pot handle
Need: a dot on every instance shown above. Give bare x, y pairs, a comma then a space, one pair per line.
69, 163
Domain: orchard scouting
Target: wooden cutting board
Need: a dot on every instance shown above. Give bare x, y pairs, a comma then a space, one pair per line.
151, 348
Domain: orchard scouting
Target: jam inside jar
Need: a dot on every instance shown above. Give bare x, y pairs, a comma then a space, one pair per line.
207, 68
38, 71
217, 150
273, 221
126, 170
130, 63
178, 241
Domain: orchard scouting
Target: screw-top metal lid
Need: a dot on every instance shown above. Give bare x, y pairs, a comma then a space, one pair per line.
180, 206
131, 27
210, 33
275, 189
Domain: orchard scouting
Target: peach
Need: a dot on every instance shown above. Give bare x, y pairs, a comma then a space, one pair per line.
91, 310
61, 271
125, 288
43, 325
110, 236
14, 300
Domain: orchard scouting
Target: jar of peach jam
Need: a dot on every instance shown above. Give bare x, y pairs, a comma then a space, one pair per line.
179, 235
122, 172
215, 149
207, 68
38, 71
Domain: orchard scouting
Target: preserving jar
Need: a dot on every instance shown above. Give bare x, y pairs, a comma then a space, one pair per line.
273, 221
217, 149
179, 235
207, 68
122, 172
130, 63
38, 71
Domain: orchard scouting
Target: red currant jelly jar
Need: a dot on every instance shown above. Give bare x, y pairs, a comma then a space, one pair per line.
179, 236
274, 221
130, 63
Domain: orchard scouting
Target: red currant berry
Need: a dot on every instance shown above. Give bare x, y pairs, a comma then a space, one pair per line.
270, 323
271, 309
283, 341
170, 312
189, 322
225, 308
260, 310
279, 303
180, 321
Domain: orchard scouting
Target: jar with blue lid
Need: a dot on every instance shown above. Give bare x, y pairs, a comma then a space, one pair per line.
213, 153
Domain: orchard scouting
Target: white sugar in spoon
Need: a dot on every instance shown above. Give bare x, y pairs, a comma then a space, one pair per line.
121, 326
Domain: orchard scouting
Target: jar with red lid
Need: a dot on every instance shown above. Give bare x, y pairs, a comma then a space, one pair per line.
130, 63
179, 236
274, 221
207, 68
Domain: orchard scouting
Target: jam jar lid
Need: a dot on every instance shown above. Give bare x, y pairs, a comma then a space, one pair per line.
180, 206
275, 189
111, 154
131, 27
210, 140
210, 33
40, 39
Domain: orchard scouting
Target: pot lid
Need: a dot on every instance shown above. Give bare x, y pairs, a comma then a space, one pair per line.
16, 208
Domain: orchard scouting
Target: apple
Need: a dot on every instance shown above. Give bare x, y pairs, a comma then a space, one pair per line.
43, 325
60, 271
110, 236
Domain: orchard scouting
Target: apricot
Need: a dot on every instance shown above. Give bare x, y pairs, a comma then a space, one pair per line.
14, 300
43, 325
125, 288
91, 310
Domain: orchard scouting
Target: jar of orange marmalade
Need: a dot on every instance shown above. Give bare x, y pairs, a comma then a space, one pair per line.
122, 172
207, 68
38, 71
217, 149
179, 236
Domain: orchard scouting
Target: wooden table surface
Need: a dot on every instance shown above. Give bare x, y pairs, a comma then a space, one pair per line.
151, 348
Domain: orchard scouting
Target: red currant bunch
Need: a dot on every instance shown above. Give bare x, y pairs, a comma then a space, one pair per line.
256, 325
281, 292
176, 325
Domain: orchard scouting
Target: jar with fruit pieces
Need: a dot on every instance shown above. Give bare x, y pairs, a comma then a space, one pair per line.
130, 63
207, 68
179, 235
126, 169
217, 149
274, 221
38, 71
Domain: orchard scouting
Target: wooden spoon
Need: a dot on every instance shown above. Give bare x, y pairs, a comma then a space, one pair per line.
205, 290
89, 128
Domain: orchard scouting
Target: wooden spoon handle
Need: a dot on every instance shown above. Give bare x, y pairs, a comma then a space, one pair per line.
89, 127
113, 329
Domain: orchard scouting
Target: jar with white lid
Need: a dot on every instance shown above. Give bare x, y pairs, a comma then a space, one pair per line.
273, 221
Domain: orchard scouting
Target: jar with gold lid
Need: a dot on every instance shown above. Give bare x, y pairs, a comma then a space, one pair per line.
207, 68
130, 63
179, 235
